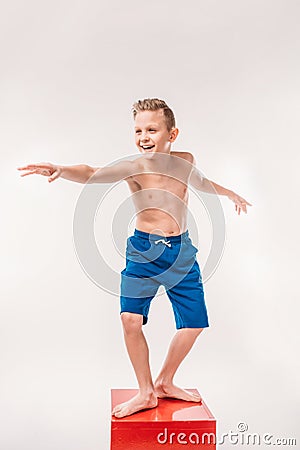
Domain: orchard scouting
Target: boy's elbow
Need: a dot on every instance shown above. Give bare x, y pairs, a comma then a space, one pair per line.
91, 174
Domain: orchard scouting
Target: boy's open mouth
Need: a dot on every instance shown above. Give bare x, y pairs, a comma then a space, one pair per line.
147, 147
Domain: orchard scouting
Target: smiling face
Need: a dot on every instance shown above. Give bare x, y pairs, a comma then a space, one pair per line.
151, 132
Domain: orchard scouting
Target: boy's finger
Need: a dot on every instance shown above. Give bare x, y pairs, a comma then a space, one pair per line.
36, 166
28, 173
54, 176
27, 167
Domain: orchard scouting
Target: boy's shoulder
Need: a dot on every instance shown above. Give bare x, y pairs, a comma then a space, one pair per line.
185, 155
141, 162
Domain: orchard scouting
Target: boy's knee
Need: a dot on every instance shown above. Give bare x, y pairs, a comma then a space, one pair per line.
192, 331
197, 331
131, 322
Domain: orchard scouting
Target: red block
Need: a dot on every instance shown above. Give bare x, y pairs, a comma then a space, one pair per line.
173, 424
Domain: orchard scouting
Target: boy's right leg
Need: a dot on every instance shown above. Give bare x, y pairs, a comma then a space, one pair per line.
138, 352
180, 346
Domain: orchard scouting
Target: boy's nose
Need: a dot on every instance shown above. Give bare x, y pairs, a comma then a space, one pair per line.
144, 136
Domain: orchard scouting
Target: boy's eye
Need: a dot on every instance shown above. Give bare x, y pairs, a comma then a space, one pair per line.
150, 129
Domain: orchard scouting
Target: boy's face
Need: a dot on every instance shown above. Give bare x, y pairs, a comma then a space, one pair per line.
151, 133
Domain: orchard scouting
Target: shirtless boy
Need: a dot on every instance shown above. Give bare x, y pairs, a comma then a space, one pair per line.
160, 251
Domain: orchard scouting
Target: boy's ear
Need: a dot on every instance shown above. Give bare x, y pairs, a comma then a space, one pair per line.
173, 134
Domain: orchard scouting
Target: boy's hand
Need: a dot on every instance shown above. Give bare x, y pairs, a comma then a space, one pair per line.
240, 202
47, 169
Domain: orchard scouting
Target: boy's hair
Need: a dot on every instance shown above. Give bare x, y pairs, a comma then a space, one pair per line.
154, 104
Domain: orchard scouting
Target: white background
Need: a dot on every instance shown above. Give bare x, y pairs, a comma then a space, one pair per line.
70, 72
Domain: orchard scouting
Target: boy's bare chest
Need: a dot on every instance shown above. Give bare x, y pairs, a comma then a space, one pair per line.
171, 184
161, 179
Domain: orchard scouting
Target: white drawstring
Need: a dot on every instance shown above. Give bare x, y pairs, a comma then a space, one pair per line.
168, 243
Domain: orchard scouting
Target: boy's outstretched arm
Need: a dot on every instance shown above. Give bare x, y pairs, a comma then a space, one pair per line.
205, 185
83, 173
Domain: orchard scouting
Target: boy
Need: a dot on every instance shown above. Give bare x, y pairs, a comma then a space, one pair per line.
160, 251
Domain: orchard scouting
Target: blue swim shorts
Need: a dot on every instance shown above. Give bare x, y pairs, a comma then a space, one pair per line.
153, 260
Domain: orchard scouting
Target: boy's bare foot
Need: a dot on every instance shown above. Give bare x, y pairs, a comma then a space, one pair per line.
137, 403
170, 390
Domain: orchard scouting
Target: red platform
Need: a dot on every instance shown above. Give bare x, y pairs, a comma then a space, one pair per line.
173, 424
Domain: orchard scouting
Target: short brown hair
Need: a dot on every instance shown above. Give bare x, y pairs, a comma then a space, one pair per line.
154, 104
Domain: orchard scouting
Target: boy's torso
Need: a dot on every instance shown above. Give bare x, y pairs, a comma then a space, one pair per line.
160, 193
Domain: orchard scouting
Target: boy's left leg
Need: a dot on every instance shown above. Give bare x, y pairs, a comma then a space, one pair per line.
188, 302
180, 346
